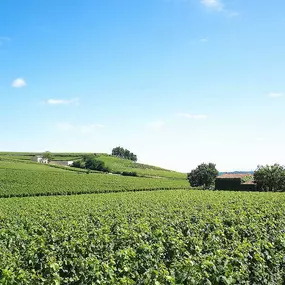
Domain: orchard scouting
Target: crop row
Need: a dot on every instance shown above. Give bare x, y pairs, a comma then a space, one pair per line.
115, 164
19, 183
162, 237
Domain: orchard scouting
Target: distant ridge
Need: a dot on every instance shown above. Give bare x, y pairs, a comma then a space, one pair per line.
236, 172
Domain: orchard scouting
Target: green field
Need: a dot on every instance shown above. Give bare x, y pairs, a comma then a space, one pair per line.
181, 236
19, 178
162, 237
113, 163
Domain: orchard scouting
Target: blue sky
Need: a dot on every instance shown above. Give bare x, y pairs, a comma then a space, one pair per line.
178, 82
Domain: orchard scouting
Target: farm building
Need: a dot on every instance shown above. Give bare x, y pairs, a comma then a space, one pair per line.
238, 182
39, 159
62, 162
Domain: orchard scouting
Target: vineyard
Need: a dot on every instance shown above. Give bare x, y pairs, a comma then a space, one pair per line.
181, 236
115, 164
162, 237
18, 179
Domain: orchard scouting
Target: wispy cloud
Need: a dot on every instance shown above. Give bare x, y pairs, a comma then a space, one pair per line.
19, 83
74, 101
193, 116
275, 95
213, 4
217, 5
203, 40
3, 40
83, 129
156, 124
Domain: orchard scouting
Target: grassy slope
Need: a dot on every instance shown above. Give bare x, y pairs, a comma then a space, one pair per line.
21, 178
115, 164
118, 164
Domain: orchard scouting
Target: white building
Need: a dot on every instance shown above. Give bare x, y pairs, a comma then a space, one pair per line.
62, 162
39, 159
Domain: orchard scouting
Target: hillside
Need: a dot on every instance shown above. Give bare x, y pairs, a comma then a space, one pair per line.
115, 164
26, 178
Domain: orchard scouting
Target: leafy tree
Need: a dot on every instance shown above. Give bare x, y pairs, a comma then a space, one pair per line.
78, 164
204, 175
95, 164
91, 163
48, 155
124, 153
133, 157
270, 177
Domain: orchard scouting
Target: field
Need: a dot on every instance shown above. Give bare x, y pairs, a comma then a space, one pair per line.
113, 163
162, 237
19, 179
146, 235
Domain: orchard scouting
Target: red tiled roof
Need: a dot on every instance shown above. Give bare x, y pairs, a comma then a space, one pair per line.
234, 175
249, 182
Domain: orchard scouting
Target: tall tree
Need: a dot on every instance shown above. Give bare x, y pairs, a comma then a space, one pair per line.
124, 153
270, 177
203, 175
48, 155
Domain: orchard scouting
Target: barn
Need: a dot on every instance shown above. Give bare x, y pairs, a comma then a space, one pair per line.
237, 182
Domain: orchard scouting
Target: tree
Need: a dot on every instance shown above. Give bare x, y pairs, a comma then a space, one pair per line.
270, 177
204, 175
90, 162
48, 155
78, 163
124, 153
95, 164
118, 151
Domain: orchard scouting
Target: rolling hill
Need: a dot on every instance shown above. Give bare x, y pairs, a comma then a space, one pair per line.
19, 176
115, 164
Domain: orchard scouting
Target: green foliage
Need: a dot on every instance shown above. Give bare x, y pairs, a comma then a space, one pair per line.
114, 164
270, 178
163, 237
78, 163
204, 175
48, 155
246, 178
95, 164
31, 179
118, 165
91, 163
124, 153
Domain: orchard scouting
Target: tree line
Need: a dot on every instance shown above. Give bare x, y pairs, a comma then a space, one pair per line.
268, 178
124, 153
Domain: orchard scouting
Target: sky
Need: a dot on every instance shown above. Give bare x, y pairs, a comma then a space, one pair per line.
177, 82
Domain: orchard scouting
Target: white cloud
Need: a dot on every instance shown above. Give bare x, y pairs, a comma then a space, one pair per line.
156, 124
203, 40
213, 4
218, 5
275, 95
19, 83
62, 101
193, 116
83, 129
